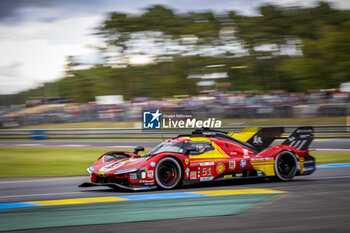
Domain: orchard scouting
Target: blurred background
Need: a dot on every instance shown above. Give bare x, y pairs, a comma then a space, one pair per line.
88, 65
80, 72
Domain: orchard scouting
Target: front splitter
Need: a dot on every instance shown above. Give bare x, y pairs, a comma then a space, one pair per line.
115, 185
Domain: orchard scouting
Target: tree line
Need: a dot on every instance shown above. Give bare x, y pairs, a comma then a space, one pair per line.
309, 48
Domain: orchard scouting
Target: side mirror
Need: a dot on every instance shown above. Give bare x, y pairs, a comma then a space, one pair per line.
137, 149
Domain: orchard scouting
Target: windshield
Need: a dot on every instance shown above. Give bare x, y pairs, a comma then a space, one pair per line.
176, 147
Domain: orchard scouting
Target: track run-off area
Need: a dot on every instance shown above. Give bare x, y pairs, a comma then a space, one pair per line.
315, 203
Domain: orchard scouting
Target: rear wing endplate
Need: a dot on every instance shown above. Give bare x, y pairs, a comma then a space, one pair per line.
301, 138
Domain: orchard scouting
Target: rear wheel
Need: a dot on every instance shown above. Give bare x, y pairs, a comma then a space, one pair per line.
285, 166
168, 173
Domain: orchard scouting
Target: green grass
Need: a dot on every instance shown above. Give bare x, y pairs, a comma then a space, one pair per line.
43, 162
22, 162
325, 157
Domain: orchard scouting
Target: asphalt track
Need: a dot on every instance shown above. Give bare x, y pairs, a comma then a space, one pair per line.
316, 203
316, 144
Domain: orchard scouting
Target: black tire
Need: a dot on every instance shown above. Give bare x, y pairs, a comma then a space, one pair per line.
168, 173
285, 166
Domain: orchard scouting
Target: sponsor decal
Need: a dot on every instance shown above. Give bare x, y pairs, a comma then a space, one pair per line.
193, 175
261, 159
257, 159
153, 164
187, 171
304, 131
220, 167
102, 174
207, 164
245, 152
150, 174
186, 161
243, 163
206, 178
146, 182
239, 174
233, 153
110, 167
257, 140
227, 176
232, 165
206, 171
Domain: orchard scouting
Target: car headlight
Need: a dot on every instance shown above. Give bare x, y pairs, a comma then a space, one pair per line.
133, 176
140, 174
90, 169
126, 170
143, 174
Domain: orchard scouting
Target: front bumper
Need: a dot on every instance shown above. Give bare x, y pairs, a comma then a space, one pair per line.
122, 181
115, 185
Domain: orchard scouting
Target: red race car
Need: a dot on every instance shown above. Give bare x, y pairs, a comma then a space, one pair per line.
207, 155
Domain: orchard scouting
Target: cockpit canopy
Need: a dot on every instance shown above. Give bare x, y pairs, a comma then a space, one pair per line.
197, 147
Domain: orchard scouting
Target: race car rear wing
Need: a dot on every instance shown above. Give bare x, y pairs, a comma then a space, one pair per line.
301, 138
265, 136
258, 139
261, 138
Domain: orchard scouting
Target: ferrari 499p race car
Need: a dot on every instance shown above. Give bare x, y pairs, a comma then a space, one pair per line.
207, 155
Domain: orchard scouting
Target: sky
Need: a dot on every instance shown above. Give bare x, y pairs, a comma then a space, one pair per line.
36, 36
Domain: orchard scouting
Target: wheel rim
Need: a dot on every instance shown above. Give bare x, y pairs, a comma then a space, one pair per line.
167, 174
286, 166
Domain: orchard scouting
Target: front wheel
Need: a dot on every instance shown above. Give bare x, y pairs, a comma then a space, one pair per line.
168, 173
285, 166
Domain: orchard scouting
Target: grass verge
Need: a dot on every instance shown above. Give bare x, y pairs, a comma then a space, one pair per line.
43, 162
325, 157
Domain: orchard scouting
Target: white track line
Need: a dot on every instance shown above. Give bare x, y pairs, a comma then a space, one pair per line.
74, 145
38, 194
44, 179
29, 144
335, 150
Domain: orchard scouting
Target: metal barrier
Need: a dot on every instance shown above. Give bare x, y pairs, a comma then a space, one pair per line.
321, 131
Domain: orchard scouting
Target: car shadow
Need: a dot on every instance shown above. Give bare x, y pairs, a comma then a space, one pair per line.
199, 185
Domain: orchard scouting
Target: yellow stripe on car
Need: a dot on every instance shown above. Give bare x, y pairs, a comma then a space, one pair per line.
216, 153
245, 134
